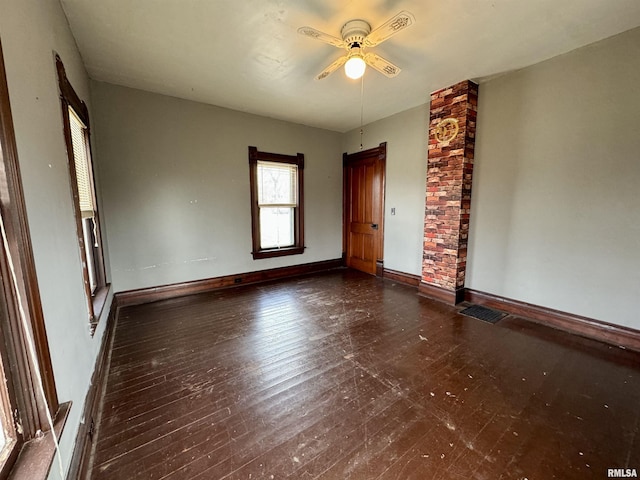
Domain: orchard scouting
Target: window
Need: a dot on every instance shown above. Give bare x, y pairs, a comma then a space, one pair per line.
277, 223
28, 398
77, 137
88, 213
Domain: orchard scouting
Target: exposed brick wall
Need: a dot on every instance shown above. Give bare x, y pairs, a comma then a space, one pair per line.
449, 174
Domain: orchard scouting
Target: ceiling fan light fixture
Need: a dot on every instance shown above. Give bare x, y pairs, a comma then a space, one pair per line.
356, 36
355, 66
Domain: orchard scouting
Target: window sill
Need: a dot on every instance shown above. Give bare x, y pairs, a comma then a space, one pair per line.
99, 300
36, 456
277, 252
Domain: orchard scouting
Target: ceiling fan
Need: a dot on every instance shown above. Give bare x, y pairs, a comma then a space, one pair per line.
356, 36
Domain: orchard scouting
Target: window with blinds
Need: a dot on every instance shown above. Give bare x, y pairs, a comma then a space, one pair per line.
86, 212
86, 203
277, 216
82, 166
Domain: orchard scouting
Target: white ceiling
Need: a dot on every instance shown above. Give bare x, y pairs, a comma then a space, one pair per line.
247, 54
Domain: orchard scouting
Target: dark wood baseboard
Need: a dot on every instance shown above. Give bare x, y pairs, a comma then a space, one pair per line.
152, 294
584, 326
79, 468
401, 277
452, 297
379, 268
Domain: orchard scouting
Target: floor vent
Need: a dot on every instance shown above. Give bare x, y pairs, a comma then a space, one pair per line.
483, 313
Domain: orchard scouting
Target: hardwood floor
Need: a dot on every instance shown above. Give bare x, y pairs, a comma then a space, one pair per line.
343, 375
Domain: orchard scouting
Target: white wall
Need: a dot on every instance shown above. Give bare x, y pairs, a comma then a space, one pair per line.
406, 136
556, 205
30, 31
175, 183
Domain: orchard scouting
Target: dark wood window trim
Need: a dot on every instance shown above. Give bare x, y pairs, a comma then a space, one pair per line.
298, 246
69, 98
36, 457
21, 316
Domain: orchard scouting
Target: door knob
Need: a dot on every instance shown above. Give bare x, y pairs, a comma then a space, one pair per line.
374, 226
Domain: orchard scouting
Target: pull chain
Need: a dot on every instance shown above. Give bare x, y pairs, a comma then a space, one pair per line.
361, 109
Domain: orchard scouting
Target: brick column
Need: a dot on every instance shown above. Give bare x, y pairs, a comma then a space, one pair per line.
448, 205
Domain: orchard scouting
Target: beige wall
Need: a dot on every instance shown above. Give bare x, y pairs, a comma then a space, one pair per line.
31, 30
406, 137
175, 182
556, 204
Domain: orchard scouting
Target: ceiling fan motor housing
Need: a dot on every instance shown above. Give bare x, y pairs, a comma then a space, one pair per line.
354, 32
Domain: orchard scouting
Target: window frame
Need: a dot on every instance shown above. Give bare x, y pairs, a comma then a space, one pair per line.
21, 315
298, 217
69, 99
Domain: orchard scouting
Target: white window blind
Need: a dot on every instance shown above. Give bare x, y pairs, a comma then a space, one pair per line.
81, 161
277, 184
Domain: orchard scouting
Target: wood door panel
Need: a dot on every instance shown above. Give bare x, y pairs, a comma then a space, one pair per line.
361, 257
362, 186
362, 246
362, 228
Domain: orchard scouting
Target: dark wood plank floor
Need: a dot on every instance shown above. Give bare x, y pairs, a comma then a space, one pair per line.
343, 375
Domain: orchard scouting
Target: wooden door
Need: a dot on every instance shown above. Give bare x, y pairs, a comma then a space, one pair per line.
364, 207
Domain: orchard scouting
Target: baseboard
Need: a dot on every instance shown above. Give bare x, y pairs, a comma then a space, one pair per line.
452, 297
583, 326
401, 277
79, 468
152, 294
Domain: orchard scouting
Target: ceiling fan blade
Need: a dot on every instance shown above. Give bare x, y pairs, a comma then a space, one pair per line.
332, 68
323, 37
388, 29
380, 64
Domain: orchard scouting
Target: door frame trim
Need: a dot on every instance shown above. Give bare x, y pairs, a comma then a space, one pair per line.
381, 152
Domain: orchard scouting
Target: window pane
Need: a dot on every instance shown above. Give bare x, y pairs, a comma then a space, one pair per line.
276, 227
276, 183
88, 225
